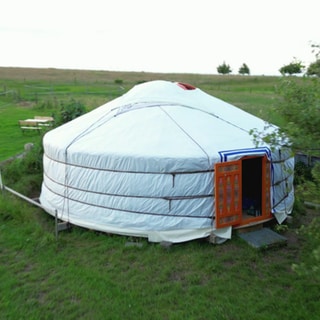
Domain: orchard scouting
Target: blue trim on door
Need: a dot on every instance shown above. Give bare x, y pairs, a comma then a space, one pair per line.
224, 155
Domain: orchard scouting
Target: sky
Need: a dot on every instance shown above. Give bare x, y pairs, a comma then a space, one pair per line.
169, 36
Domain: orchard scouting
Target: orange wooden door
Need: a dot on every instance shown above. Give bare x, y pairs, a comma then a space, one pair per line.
228, 195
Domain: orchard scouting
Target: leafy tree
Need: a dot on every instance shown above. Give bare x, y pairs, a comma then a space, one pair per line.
224, 68
314, 69
244, 69
294, 67
300, 107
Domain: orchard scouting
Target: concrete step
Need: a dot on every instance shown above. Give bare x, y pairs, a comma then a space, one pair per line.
263, 238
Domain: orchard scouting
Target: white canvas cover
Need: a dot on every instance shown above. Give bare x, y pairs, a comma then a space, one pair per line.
143, 164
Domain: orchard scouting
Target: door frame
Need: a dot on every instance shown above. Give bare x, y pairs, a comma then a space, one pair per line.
228, 193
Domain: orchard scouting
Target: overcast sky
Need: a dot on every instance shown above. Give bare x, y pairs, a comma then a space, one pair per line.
158, 35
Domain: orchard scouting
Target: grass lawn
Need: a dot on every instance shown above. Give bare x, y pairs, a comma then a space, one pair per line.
92, 275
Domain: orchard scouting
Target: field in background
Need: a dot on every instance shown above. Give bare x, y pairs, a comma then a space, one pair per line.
252, 93
26, 92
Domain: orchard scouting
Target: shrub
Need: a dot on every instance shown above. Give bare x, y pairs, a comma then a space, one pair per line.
25, 174
70, 110
302, 173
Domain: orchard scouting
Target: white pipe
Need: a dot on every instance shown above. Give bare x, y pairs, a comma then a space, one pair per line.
23, 197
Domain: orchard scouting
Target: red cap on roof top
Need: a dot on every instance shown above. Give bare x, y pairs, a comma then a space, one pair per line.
186, 86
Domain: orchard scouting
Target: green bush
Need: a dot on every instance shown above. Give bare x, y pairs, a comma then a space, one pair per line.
302, 173
70, 110
25, 174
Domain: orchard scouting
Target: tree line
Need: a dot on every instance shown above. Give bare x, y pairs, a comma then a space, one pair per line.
294, 67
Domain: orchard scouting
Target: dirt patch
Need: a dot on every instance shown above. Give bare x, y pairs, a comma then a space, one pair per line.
26, 104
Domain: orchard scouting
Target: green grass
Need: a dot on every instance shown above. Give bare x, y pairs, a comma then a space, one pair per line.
12, 139
92, 275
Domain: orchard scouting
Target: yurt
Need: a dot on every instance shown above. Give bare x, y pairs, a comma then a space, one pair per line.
168, 162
